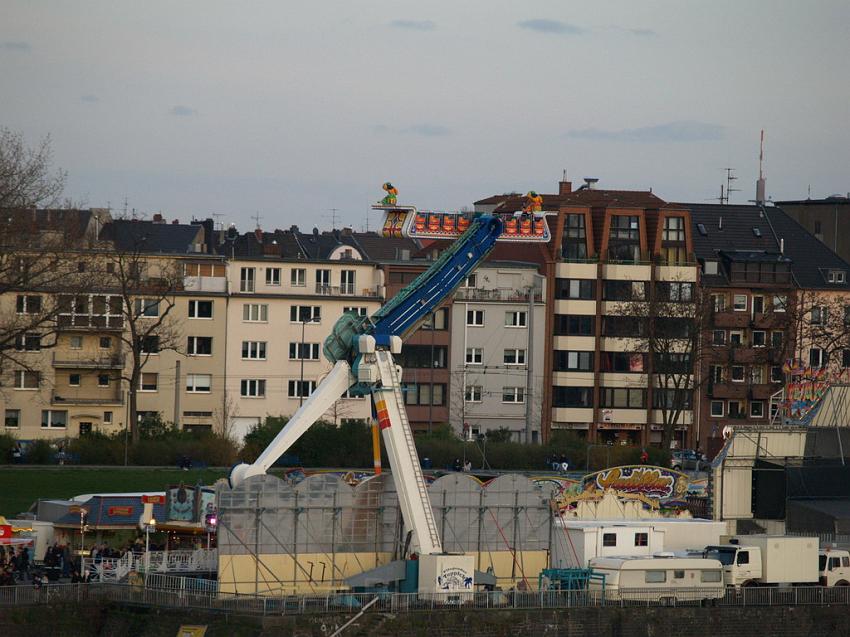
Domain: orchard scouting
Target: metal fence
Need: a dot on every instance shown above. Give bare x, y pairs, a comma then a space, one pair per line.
345, 602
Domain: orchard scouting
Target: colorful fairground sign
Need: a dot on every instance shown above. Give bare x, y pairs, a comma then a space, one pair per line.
655, 483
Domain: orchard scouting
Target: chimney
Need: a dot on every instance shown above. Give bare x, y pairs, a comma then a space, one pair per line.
157, 218
258, 234
565, 187
176, 222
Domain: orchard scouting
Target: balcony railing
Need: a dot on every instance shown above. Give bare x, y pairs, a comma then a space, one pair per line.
66, 398
91, 321
497, 294
345, 290
88, 362
205, 283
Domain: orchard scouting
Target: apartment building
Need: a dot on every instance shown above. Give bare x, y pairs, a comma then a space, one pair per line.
610, 248
827, 219
777, 298
76, 383
287, 290
498, 329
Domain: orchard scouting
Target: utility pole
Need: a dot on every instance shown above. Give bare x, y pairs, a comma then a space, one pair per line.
529, 359
177, 394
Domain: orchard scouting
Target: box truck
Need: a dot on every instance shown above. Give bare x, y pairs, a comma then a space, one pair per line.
767, 560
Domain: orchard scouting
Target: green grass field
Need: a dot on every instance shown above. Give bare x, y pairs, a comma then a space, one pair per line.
19, 488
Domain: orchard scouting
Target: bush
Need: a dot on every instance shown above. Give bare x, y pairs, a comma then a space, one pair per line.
40, 452
7, 445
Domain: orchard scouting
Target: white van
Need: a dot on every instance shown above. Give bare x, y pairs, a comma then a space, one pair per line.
659, 578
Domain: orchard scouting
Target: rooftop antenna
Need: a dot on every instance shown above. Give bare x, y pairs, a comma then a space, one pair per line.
257, 218
730, 177
218, 222
810, 192
333, 212
760, 184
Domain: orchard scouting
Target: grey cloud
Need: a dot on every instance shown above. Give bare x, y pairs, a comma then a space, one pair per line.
427, 130
12, 45
551, 26
414, 25
684, 131
91, 99
183, 111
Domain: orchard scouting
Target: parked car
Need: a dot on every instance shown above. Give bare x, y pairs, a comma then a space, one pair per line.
688, 459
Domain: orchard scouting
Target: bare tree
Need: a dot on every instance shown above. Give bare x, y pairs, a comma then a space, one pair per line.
146, 285
223, 416
26, 180
668, 323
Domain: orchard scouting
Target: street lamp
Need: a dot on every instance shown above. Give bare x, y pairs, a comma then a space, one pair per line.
150, 525
212, 525
304, 322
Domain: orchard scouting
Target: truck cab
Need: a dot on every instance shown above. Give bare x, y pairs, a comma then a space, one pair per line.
834, 567
742, 565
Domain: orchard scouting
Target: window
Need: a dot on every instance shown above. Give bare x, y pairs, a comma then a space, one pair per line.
252, 388
836, 276
149, 382
819, 315
623, 326
678, 574
759, 338
74, 380
776, 375
674, 230
816, 357
845, 358
298, 277
12, 418
301, 389
736, 337
735, 409
776, 339
28, 304
193, 269
323, 281
672, 363
54, 418
305, 313
818, 229
272, 276
246, 279
474, 355
147, 307
26, 380
514, 357
199, 346
780, 302
655, 577
359, 311
758, 304
574, 289
575, 361
470, 281
737, 373
198, 383
675, 291
255, 313
473, 393
475, 318
623, 362
743, 557
513, 394
718, 337
712, 577
672, 399
609, 539
572, 396
624, 290
350, 395
715, 373
625, 227
757, 409
739, 302
424, 394
515, 319
200, 309
716, 409
107, 417
103, 380
437, 321
622, 398
718, 302
105, 342
347, 281
574, 325
28, 342
641, 539
254, 350
149, 344
757, 375
304, 351
75, 342
574, 240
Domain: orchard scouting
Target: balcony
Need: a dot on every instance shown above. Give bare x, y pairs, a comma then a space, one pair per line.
65, 398
497, 294
346, 290
205, 284
731, 319
90, 322
64, 360
728, 390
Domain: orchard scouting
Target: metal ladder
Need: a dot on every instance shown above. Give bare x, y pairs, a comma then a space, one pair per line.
387, 362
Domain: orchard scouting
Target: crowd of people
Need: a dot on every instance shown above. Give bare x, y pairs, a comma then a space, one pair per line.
14, 565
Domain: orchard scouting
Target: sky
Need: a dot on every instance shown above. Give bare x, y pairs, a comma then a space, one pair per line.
288, 110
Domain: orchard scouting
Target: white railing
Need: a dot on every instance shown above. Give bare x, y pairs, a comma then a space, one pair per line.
116, 569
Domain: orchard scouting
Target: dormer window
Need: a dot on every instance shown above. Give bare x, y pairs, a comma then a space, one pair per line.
674, 229
836, 276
